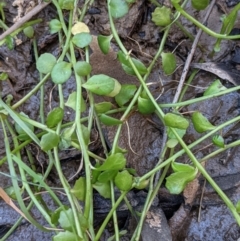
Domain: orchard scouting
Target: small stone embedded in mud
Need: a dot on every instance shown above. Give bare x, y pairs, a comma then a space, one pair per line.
155, 226
94, 10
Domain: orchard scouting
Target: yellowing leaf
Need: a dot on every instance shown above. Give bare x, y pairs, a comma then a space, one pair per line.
80, 27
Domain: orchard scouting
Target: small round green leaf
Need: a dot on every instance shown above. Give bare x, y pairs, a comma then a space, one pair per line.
214, 88
55, 26
171, 135
67, 4
118, 8
176, 121
66, 219
145, 106
171, 143
86, 135
109, 121
3, 76
71, 102
103, 107
104, 189
103, 85
176, 182
123, 180
65, 236
141, 185
169, 63
114, 162
107, 175
161, 16
54, 117
180, 167
126, 94
82, 40
29, 31
200, 4
49, 141
201, 123
218, 141
104, 43
79, 188
45, 63
61, 72
127, 66
83, 68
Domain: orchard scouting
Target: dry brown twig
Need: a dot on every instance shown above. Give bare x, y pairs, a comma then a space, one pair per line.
24, 19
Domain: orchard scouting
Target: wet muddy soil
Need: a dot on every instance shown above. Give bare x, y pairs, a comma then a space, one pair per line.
197, 214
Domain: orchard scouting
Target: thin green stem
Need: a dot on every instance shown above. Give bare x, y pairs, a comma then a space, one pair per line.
14, 181
115, 220
203, 27
106, 220
41, 109
137, 233
181, 152
196, 100
209, 179
88, 209
220, 150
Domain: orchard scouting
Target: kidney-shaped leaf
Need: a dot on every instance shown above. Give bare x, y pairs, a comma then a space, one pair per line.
45, 63
82, 40
145, 106
54, 117
55, 26
79, 189
103, 107
127, 66
201, 123
66, 236
161, 16
118, 8
104, 43
49, 141
176, 182
107, 175
83, 68
200, 5
214, 88
218, 141
180, 167
71, 102
109, 121
102, 84
66, 219
126, 94
124, 180
176, 121
168, 63
114, 162
104, 189
61, 72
